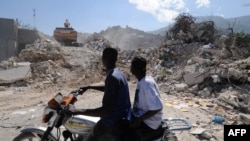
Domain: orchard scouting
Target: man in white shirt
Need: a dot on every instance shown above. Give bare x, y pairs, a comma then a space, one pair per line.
147, 108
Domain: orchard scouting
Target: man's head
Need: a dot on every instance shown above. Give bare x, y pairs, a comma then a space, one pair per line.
138, 67
109, 57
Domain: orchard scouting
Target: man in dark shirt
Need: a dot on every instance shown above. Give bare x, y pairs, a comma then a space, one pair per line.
116, 101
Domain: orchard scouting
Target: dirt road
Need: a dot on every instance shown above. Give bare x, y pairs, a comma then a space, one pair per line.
23, 106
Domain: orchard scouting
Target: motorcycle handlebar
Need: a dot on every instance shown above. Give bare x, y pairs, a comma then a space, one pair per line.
76, 92
79, 91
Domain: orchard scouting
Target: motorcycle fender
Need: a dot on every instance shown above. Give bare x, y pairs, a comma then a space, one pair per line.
39, 130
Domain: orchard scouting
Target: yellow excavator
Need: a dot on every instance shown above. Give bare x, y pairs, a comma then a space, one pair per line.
66, 35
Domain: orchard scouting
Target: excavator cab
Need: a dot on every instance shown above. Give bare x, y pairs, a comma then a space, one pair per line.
66, 35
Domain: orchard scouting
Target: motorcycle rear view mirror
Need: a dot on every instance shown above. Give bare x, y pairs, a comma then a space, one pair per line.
54, 103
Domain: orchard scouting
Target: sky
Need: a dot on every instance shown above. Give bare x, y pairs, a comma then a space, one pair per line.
89, 16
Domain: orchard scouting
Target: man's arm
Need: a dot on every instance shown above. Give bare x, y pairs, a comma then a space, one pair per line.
99, 88
85, 88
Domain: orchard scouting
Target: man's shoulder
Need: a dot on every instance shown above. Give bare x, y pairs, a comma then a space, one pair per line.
150, 78
147, 80
118, 72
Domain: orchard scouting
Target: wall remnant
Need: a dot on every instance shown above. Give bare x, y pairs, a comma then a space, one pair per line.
14, 39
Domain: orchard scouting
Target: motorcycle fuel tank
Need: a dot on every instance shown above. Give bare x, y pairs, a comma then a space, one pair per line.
80, 124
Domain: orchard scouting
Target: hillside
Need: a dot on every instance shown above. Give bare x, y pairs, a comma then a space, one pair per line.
126, 38
129, 38
238, 24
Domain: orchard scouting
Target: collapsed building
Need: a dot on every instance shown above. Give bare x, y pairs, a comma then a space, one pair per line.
13, 39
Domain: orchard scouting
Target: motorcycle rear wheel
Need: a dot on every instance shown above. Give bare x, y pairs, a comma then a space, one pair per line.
27, 136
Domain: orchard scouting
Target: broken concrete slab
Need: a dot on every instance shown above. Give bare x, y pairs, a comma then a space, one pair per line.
15, 73
197, 131
245, 118
194, 78
181, 87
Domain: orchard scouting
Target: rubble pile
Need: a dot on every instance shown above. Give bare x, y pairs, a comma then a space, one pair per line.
217, 74
10, 63
187, 31
201, 32
97, 42
213, 77
235, 101
47, 71
205, 69
41, 50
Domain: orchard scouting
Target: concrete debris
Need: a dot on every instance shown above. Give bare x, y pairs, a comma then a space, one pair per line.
197, 131
97, 42
244, 118
41, 50
240, 102
198, 32
194, 78
181, 87
213, 77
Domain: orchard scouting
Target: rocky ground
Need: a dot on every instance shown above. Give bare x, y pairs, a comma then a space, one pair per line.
23, 105
196, 82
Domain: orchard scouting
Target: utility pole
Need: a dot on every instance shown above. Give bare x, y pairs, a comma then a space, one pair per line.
34, 14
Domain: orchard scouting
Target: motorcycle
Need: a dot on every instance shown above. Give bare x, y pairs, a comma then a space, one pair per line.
77, 127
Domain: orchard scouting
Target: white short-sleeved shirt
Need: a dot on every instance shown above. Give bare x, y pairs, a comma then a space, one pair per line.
147, 98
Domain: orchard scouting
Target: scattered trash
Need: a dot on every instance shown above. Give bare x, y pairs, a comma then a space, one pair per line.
217, 119
184, 110
169, 104
31, 117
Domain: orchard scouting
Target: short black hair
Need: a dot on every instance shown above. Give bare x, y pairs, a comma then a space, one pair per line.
110, 54
139, 64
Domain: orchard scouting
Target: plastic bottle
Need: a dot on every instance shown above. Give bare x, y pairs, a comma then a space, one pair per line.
217, 119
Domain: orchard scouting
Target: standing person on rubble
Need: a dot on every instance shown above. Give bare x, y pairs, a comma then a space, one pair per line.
115, 103
147, 108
